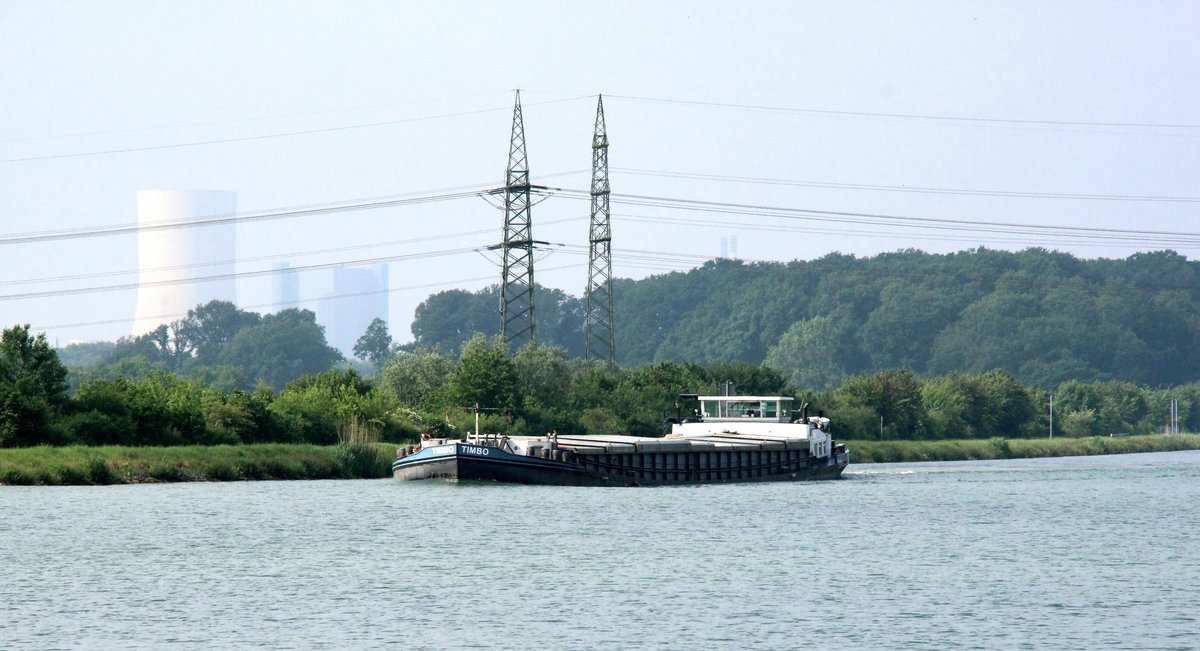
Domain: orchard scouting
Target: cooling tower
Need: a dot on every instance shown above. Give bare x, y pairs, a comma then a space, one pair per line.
172, 254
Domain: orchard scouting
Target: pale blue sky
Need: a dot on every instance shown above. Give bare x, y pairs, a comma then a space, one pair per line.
1035, 80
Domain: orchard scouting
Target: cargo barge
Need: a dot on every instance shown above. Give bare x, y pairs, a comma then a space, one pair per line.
723, 439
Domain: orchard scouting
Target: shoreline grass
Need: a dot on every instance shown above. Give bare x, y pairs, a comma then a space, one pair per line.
82, 465
1001, 448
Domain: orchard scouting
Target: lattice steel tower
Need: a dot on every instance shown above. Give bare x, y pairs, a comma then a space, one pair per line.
598, 329
517, 324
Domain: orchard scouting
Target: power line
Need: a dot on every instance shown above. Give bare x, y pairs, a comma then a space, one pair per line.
361, 203
1067, 234
263, 258
907, 116
1038, 240
906, 188
209, 123
877, 219
362, 262
286, 213
265, 136
177, 315
268, 136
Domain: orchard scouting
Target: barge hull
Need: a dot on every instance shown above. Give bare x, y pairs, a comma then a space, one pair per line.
463, 462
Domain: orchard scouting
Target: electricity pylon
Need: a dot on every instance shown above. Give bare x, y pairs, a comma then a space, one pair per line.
517, 324
598, 329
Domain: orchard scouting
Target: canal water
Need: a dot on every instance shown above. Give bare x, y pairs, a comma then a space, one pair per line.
1072, 553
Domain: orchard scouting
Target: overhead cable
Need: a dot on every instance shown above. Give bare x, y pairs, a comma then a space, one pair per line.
906, 116
907, 188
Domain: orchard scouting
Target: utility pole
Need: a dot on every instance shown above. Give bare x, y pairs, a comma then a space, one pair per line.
1051, 415
598, 329
517, 323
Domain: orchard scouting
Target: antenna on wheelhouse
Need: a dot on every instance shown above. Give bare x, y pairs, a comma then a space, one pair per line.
598, 328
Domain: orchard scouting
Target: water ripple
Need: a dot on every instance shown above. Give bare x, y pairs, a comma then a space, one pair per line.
1047, 553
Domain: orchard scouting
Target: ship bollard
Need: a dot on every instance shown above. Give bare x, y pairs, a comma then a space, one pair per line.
545, 453
556, 455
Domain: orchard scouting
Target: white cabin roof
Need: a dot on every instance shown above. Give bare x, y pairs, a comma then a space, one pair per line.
746, 398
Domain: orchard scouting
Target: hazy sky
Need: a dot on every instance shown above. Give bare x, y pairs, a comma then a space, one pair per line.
1060, 114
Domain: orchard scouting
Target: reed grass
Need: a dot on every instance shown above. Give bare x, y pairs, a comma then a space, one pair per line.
81, 465
1002, 448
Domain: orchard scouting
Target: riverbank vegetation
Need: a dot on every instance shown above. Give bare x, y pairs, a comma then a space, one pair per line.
84, 465
1002, 448
535, 390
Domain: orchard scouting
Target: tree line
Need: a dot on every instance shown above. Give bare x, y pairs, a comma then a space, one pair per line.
217, 344
534, 390
1045, 317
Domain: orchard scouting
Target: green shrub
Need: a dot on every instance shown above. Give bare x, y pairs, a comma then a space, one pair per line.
167, 472
221, 471
360, 460
97, 471
71, 476
14, 477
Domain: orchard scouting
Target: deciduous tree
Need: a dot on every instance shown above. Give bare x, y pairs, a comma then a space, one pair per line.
375, 345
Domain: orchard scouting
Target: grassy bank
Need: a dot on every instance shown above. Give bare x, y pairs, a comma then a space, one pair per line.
999, 448
80, 465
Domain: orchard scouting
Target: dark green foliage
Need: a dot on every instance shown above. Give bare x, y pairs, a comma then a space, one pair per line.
1045, 317
486, 376
281, 348
446, 320
375, 345
160, 410
313, 407
419, 378
544, 379
32, 388
222, 346
361, 461
749, 379
807, 354
599, 421
644, 397
98, 471
85, 354
983, 340
208, 327
894, 396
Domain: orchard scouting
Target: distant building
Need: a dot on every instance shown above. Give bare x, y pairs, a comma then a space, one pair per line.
285, 286
176, 253
359, 296
729, 247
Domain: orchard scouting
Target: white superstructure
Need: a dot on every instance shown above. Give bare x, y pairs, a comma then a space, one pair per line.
757, 417
176, 253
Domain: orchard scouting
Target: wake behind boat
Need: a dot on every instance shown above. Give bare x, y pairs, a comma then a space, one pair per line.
725, 439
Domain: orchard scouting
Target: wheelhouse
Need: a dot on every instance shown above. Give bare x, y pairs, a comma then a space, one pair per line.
775, 409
